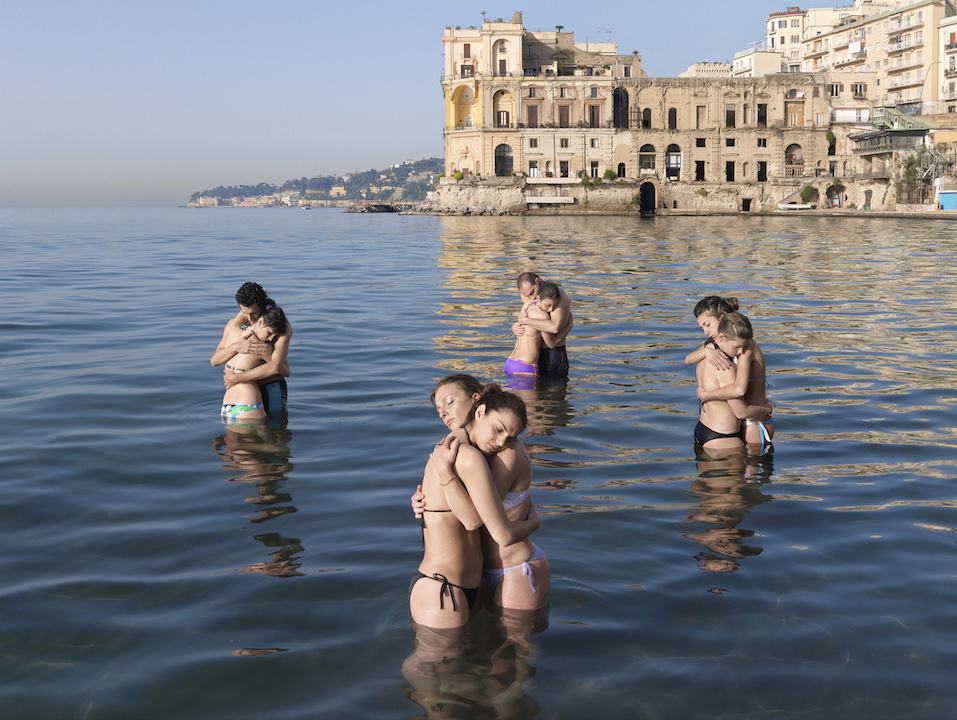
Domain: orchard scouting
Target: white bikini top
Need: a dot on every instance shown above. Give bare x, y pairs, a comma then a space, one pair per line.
515, 498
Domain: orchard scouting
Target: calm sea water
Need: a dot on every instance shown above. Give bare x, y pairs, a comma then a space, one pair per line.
157, 566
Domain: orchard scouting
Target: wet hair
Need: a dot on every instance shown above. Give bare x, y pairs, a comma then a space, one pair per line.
273, 317
528, 278
549, 291
735, 326
495, 398
714, 305
250, 294
467, 383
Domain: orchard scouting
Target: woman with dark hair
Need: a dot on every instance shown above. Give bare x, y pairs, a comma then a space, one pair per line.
748, 392
463, 498
272, 372
518, 575
243, 401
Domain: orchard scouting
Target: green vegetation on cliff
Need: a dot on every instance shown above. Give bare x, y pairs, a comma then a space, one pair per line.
411, 180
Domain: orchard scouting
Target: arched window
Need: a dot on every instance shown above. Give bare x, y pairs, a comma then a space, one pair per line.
673, 162
646, 119
646, 157
621, 170
503, 160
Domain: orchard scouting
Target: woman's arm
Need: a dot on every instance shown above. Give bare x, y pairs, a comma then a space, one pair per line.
717, 358
275, 363
738, 388
472, 472
443, 462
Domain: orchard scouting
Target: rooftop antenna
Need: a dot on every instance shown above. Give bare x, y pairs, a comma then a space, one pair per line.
607, 30
559, 28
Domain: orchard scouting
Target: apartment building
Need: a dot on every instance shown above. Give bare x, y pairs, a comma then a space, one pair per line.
785, 35
947, 44
901, 48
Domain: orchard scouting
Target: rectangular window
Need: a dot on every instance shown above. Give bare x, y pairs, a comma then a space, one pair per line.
531, 115
466, 50
563, 143
564, 115
563, 168
594, 92
533, 168
729, 171
594, 116
531, 92
762, 171
729, 142
701, 116
529, 53
762, 142
503, 67
594, 142
729, 116
699, 170
627, 70
563, 92
699, 142
533, 142
594, 168
834, 89
468, 70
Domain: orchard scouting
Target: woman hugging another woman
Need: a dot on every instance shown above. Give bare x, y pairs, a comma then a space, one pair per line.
732, 384
476, 509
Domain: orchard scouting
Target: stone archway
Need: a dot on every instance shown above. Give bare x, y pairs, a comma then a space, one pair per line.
503, 160
648, 198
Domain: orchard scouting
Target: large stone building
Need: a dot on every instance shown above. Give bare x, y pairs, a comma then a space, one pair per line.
541, 106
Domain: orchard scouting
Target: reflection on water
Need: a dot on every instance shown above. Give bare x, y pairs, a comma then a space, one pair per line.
481, 671
726, 490
261, 456
117, 607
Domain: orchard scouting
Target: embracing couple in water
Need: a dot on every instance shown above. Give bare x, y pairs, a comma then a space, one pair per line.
541, 329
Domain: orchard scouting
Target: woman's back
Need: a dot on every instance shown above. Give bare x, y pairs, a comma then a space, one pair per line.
450, 549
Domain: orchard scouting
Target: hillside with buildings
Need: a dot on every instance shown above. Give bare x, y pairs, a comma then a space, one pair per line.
408, 181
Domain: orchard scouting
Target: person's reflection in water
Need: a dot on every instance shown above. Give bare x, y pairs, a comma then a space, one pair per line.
260, 455
482, 672
726, 490
547, 409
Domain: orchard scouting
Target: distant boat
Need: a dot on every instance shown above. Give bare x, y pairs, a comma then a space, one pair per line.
795, 206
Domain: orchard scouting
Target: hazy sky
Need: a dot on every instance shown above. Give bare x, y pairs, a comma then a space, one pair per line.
142, 102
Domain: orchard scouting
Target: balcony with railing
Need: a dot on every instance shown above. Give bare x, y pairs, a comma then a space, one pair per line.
854, 58
899, 26
794, 167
